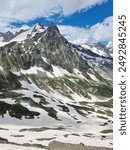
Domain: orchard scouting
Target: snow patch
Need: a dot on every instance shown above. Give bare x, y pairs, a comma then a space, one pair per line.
95, 50
1, 68
78, 74
3, 43
58, 71
44, 59
30, 32
34, 70
14, 147
93, 77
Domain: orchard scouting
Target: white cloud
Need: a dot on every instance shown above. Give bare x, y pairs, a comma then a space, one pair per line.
25, 10
5, 26
96, 33
69, 7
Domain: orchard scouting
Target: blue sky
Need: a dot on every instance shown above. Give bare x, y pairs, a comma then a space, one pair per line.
79, 19
89, 17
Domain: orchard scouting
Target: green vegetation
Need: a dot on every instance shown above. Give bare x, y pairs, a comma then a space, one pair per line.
104, 90
83, 103
9, 81
17, 111
9, 94
99, 77
108, 104
79, 87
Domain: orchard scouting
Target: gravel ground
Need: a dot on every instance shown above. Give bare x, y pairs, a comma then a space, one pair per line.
65, 146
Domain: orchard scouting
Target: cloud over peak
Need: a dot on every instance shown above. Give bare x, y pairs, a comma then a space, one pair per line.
98, 32
27, 10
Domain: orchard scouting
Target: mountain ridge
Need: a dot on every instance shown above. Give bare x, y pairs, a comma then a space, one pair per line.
59, 86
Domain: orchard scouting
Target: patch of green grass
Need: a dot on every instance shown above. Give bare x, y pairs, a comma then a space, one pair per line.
104, 90
79, 87
83, 103
9, 81
99, 77
108, 104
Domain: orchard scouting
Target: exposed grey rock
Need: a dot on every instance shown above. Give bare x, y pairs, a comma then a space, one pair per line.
55, 145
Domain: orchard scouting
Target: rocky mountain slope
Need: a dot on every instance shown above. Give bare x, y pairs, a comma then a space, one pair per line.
51, 89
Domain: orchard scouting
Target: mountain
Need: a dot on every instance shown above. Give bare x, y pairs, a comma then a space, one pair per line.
99, 49
52, 89
5, 37
99, 57
22, 34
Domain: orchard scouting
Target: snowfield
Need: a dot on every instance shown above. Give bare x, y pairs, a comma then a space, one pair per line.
72, 127
14, 147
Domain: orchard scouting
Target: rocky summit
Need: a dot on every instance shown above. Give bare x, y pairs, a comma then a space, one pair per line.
51, 89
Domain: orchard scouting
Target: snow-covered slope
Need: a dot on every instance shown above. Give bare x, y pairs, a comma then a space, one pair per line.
99, 49
3, 43
72, 121
29, 33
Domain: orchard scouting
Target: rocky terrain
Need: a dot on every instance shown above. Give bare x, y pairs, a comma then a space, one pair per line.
53, 90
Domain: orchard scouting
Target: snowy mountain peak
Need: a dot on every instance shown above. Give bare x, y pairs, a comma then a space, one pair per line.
53, 28
5, 37
109, 45
38, 26
99, 49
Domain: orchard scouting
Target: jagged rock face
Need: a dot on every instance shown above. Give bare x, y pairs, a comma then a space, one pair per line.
6, 36
48, 50
19, 32
102, 47
103, 62
49, 44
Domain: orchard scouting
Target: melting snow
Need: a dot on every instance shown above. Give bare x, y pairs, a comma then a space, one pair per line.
58, 71
93, 77
1, 68
95, 50
79, 74
3, 43
14, 147
34, 70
